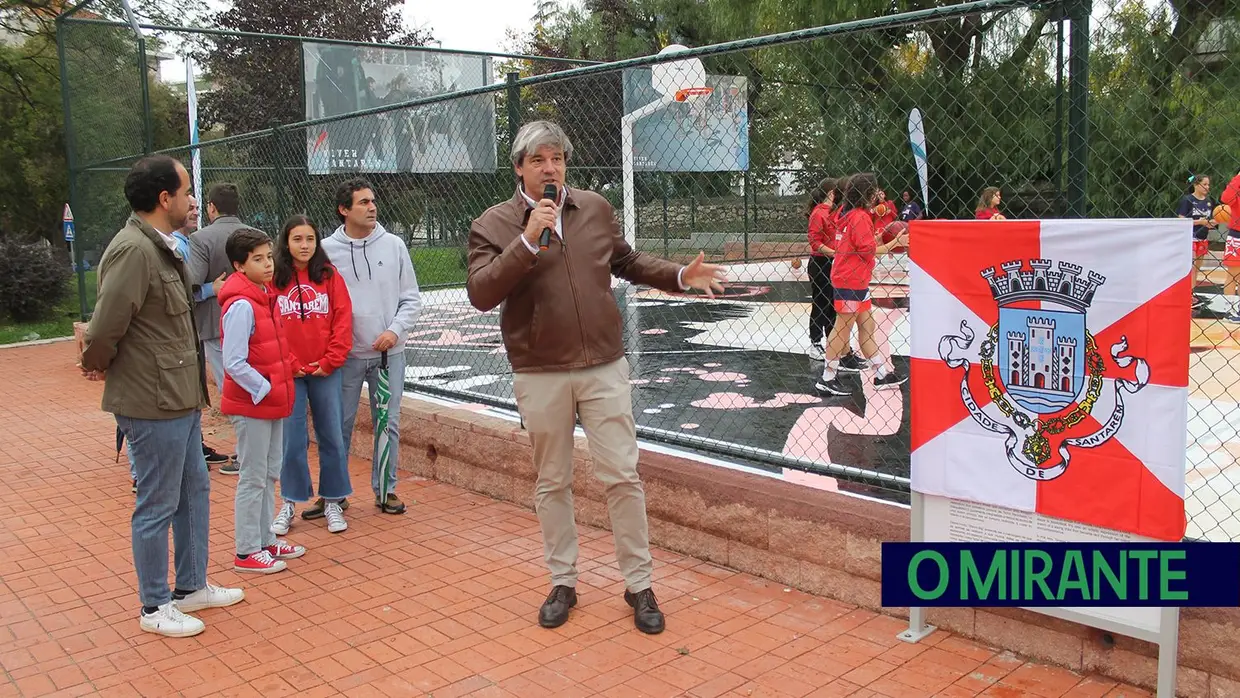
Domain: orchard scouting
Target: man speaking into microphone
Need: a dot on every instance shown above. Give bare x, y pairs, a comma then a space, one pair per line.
548, 255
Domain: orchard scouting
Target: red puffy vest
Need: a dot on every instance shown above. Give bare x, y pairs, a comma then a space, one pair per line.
268, 355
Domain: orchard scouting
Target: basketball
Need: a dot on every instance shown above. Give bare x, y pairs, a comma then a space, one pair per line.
893, 230
882, 209
1222, 213
796, 263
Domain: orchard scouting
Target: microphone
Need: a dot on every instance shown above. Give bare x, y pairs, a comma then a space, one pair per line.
549, 192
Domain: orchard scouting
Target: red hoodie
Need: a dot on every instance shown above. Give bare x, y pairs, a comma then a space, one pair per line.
318, 320
1231, 197
821, 229
855, 251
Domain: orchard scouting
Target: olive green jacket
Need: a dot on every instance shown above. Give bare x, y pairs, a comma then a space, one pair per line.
142, 332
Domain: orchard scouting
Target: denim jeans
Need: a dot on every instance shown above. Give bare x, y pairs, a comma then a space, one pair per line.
173, 490
260, 449
323, 395
353, 374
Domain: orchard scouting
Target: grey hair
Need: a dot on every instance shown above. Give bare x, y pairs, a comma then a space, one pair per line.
535, 135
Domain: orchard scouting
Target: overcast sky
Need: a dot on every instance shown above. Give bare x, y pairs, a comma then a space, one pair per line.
476, 25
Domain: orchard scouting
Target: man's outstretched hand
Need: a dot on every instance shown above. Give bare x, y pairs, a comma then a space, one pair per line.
708, 278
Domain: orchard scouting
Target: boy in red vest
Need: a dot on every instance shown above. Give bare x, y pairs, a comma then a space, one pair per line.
257, 397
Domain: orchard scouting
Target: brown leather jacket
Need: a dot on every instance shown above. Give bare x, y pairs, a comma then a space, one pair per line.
559, 312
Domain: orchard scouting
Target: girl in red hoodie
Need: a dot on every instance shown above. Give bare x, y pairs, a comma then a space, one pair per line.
856, 254
1231, 255
314, 305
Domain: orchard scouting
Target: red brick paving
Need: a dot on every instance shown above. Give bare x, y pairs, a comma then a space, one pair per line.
442, 600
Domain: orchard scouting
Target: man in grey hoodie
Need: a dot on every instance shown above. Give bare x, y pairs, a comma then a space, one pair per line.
382, 286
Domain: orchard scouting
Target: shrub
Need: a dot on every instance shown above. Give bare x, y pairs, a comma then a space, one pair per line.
34, 279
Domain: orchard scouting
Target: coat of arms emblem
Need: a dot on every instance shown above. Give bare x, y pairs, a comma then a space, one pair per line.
1041, 365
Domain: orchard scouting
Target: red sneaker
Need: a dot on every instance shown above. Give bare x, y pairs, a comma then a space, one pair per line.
283, 550
260, 562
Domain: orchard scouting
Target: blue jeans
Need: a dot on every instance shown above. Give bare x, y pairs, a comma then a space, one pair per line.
323, 395
352, 375
173, 490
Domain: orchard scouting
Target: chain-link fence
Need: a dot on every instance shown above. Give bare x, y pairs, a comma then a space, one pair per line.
1066, 110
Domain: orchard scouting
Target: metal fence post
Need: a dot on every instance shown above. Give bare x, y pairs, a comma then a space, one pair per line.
148, 138
1078, 112
70, 161
277, 140
514, 106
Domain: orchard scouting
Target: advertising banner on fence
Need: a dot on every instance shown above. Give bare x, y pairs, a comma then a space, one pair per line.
1049, 372
709, 133
452, 136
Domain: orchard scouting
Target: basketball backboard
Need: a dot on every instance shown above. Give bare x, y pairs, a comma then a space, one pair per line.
672, 78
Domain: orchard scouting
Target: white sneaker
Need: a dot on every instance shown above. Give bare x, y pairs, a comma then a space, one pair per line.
284, 519
815, 352
170, 621
210, 596
335, 518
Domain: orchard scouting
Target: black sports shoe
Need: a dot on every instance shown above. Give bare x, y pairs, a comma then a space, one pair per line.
832, 387
214, 457
853, 363
889, 381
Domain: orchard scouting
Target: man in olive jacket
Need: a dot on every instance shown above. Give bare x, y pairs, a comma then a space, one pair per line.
142, 342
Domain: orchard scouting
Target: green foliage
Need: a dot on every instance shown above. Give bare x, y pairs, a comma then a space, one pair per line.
1160, 105
33, 279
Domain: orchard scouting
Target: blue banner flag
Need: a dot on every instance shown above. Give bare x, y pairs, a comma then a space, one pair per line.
1061, 574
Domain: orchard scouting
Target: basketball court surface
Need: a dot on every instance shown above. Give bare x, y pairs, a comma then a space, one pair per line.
733, 372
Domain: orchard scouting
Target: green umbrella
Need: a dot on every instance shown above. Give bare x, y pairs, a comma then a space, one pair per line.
383, 394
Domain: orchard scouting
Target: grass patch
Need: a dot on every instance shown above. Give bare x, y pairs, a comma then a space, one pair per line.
438, 266
435, 266
61, 322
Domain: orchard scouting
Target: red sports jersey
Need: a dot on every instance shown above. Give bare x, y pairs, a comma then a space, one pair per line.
821, 229
854, 252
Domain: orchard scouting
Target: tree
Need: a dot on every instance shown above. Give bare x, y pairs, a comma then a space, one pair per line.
104, 82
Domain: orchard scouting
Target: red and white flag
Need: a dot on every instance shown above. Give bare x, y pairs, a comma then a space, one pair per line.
1049, 367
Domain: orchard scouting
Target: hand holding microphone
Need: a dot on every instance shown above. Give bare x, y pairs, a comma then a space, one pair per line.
542, 218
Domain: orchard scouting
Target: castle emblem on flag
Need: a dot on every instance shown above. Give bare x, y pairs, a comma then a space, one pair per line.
1041, 366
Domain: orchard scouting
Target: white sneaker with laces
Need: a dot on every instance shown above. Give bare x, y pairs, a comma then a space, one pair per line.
335, 518
210, 596
815, 352
284, 519
170, 621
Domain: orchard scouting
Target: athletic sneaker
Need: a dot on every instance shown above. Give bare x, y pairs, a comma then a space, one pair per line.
170, 621
260, 562
832, 387
283, 550
214, 457
889, 381
283, 520
815, 352
335, 518
852, 363
210, 596
232, 467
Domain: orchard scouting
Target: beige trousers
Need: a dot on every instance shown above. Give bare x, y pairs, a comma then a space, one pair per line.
602, 397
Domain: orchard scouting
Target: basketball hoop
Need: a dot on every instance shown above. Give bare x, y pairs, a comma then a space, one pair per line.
686, 93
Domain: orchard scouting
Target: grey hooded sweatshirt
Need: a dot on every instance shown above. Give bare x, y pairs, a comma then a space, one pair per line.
382, 286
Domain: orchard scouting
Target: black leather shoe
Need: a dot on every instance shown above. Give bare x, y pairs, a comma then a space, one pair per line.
554, 611
646, 614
